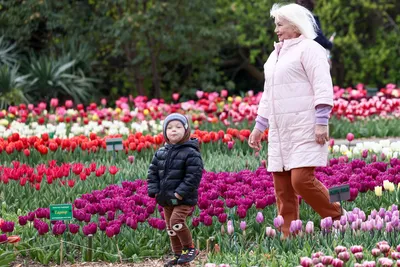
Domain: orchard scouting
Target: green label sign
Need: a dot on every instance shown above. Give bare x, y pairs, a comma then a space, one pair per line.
61, 212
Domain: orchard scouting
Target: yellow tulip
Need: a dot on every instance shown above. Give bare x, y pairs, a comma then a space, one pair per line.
95, 117
378, 191
196, 122
11, 115
118, 110
221, 104
391, 187
146, 112
4, 122
230, 99
386, 184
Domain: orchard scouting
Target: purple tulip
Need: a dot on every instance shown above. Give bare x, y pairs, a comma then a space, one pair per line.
23, 220
344, 256
259, 217
222, 217
310, 227
306, 262
278, 222
243, 225
343, 220
3, 238
73, 228
59, 228
7, 227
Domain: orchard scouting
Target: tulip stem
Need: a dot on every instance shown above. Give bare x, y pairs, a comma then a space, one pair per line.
61, 251
90, 249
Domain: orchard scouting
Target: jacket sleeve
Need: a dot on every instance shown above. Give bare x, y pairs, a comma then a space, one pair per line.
194, 172
321, 39
317, 69
263, 105
153, 181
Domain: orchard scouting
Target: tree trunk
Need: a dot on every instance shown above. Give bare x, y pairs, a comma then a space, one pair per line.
156, 80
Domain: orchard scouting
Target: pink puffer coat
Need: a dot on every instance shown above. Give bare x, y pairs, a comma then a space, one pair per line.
297, 79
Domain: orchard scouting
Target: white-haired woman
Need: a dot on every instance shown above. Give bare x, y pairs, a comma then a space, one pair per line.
295, 106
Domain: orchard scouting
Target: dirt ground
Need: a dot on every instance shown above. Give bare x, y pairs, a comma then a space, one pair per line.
200, 261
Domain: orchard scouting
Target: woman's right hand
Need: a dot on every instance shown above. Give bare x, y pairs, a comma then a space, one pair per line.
255, 139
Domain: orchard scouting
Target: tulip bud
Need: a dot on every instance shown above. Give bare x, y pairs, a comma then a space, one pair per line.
340, 249
305, 262
344, 256
350, 137
337, 263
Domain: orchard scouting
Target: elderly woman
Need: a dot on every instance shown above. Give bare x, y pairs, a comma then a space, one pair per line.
295, 106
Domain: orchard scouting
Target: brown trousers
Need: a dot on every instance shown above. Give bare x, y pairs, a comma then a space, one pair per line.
178, 231
301, 181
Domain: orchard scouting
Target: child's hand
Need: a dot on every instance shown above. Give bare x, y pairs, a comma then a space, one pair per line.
178, 196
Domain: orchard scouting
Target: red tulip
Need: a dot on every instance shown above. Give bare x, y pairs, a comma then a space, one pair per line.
113, 170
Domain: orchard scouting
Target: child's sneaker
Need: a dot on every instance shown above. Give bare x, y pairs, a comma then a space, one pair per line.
173, 261
188, 255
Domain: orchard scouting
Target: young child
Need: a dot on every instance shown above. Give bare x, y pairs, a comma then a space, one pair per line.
173, 179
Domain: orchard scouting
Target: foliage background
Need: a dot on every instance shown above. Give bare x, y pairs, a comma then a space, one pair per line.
93, 48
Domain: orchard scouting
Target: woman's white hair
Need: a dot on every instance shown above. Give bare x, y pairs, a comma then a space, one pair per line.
298, 16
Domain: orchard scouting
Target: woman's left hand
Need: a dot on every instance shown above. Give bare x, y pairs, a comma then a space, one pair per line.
178, 196
321, 134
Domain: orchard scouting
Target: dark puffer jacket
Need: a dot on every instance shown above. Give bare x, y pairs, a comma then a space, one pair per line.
176, 168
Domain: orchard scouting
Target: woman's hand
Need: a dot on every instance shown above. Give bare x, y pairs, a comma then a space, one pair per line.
255, 139
321, 134
178, 196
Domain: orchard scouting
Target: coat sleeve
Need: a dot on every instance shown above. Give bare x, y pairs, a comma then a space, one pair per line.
194, 172
263, 106
321, 39
153, 181
316, 66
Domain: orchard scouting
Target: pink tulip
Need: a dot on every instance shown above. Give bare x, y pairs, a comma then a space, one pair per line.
337, 263
104, 101
355, 249
54, 102
350, 137
369, 264
344, 256
365, 153
270, 232
317, 255
210, 265
243, 225
340, 249
359, 256
398, 248
326, 260
230, 145
199, 94
224, 265
69, 104
305, 262
310, 227
224, 93
175, 96
395, 255
259, 217
278, 222
331, 142
385, 262
376, 252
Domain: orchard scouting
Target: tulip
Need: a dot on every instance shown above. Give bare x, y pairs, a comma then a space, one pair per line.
243, 225
356, 249
12, 239
337, 263
369, 264
305, 262
59, 228
259, 217
210, 265
398, 248
278, 222
3, 238
113, 170
340, 249
365, 153
270, 232
73, 228
378, 191
385, 262
326, 260
230, 145
344, 256
318, 255
7, 227
131, 159
395, 255
350, 137
359, 256
310, 227
175, 96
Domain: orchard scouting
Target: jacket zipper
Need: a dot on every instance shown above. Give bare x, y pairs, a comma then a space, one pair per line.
273, 109
167, 161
